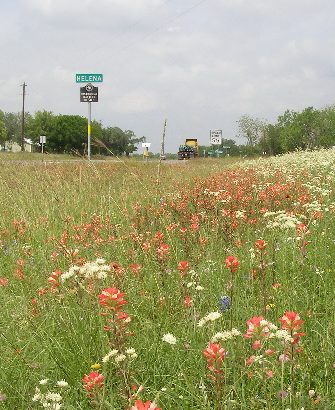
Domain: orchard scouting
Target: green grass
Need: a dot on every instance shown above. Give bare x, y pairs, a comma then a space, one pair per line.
60, 214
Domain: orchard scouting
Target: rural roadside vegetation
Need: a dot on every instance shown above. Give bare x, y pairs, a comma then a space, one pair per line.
211, 287
310, 128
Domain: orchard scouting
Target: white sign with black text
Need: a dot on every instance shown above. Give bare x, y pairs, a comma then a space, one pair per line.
215, 137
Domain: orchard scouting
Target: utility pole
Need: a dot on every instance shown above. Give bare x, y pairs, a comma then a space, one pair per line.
163, 141
162, 154
24, 85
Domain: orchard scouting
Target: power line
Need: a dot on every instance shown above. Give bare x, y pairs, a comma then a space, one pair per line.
160, 28
128, 28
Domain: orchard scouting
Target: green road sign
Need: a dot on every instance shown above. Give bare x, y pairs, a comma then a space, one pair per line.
89, 78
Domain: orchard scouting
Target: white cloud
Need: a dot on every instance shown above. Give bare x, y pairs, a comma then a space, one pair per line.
91, 12
202, 67
136, 101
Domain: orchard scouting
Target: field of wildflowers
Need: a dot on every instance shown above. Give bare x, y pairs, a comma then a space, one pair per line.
207, 286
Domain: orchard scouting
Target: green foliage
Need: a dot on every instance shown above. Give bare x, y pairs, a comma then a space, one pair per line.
308, 129
3, 132
299, 130
270, 141
251, 128
118, 142
42, 123
13, 126
68, 133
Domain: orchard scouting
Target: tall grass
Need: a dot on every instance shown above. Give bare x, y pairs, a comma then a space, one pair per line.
56, 216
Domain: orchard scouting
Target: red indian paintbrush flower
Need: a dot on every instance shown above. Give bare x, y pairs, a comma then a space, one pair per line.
215, 355
232, 263
291, 321
188, 302
139, 405
302, 229
163, 251
257, 327
260, 244
93, 381
135, 268
112, 298
183, 267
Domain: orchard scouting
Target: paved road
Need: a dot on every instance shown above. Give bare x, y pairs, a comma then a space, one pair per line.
80, 161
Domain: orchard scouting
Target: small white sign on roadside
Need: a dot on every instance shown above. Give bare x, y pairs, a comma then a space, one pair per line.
215, 137
146, 144
43, 139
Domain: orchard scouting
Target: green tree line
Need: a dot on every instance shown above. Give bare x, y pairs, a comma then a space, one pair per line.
293, 130
67, 133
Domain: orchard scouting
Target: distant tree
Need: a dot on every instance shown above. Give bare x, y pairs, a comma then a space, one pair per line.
270, 142
229, 147
308, 121
326, 127
132, 142
251, 128
118, 142
299, 130
68, 134
250, 150
42, 123
3, 132
13, 126
96, 137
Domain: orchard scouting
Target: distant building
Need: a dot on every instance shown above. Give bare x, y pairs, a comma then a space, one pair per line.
11, 146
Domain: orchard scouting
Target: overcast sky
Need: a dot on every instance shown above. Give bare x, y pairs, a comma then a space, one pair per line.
200, 64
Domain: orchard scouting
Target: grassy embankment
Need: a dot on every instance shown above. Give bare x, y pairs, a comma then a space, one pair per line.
167, 245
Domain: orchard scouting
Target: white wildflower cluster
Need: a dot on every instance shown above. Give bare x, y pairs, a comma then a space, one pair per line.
169, 338
281, 334
225, 335
195, 282
258, 359
240, 214
194, 285
118, 357
222, 195
211, 317
48, 399
315, 206
211, 193
281, 220
317, 189
90, 270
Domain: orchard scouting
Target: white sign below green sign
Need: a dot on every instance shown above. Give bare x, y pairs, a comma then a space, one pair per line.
89, 78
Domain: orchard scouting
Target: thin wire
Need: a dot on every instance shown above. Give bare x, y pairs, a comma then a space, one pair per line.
128, 28
160, 28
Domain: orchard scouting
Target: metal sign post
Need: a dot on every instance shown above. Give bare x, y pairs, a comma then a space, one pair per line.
43, 140
89, 94
215, 138
89, 132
